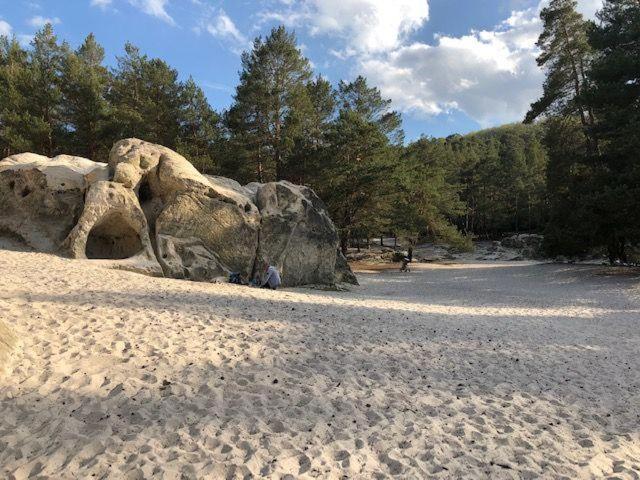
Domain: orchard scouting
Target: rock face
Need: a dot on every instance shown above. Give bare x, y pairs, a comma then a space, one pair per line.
297, 235
113, 227
529, 244
8, 342
41, 198
343, 273
160, 215
204, 228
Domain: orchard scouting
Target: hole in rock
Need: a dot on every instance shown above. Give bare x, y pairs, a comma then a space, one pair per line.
114, 239
145, 194
26, 191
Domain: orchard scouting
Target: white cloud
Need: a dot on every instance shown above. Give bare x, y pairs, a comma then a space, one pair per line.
5, 29
589, 7
101, 3
490, 75
155, 8
365, 25
25, 40
39, 21
223, 27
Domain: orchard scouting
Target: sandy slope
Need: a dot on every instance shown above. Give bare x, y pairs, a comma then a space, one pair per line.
470, 371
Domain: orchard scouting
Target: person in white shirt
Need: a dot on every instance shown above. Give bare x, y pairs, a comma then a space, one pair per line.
272, 278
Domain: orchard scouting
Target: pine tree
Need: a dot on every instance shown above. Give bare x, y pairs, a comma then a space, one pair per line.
200, 135
86, 111
368, 103
615, 94
356, 177
315, 122
42, 88
427, 198
145, 96
265, 118
14, 117
565, 53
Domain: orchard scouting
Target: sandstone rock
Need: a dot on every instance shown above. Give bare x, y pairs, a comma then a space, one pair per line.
523, 240
297, 234
112, 226
140, 156
42, 198
8, 342
161, 213
343, 272
203, 236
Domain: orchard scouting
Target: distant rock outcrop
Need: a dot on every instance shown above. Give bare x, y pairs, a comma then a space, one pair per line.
160, 213
530, 245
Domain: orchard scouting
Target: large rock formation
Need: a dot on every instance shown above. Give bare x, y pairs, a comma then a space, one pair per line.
41, 198
297, 234
203, 228
159, 214
113, 227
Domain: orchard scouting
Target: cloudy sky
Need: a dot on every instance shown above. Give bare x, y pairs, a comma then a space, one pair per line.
449, 65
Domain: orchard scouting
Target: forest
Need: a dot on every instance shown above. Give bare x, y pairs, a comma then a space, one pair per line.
570, 170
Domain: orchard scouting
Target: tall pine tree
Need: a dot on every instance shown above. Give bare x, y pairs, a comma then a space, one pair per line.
269, 106
86, 111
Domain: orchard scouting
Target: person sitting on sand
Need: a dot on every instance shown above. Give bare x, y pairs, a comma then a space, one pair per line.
272, 279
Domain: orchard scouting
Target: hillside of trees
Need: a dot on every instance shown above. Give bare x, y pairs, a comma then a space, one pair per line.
571, 171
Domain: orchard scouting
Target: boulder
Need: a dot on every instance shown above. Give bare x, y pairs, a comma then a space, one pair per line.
530, 245
297, 235
42, 198
8, 343
206, 234
160, 215
343, 272
113, 227
204, 227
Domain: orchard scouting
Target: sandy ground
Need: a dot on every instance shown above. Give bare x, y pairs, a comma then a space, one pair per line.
482, 370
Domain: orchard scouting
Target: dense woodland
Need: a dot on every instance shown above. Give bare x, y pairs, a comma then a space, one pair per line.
570, 171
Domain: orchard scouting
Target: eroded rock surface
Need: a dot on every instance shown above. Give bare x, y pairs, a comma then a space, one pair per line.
112, 227
41, 198
297, 234
160, 212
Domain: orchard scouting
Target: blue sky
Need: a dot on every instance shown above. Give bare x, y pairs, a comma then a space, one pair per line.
450, 66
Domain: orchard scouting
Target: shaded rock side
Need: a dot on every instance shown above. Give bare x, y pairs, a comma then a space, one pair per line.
297, 234
343, 272
42, 198
8, 343
113, 227
200, 236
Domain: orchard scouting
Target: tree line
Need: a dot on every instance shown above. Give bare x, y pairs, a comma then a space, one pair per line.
572, 175
591, 108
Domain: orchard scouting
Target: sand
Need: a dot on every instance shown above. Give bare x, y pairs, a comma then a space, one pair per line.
480, 370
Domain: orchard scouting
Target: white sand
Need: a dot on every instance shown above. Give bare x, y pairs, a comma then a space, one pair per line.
470, 371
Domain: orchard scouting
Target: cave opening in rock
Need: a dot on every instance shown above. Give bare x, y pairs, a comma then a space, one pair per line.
114, 239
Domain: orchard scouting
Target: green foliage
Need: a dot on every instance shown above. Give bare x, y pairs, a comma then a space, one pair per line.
565, 53
271, 102
85, 110
146, 99
200, 135
594, 186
